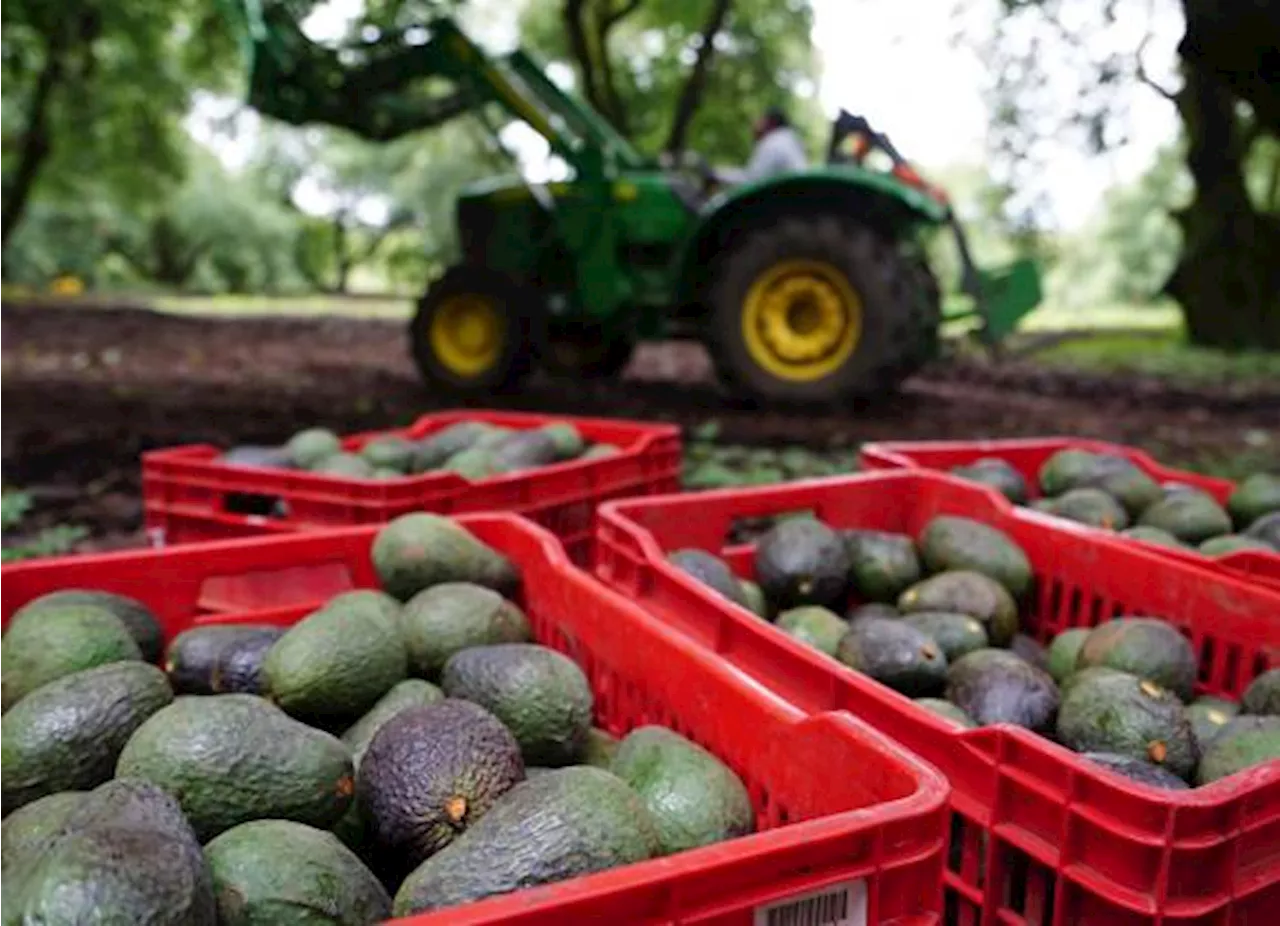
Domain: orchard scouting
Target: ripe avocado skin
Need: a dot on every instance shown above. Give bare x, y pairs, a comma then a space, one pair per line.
1248, 740
412, 692
123, 855
1145, 647
50, 642
238, 669
802, 561
68, 734
1263, 694
956, 634
281, 873
1140, 771
896, 654
998, 474
235, 758
692, 797
884, 565
193, 657
966, 592
711, 571
136, 617
995, 686
559, 825
540, 695
425, 762
26, 833
1266, 529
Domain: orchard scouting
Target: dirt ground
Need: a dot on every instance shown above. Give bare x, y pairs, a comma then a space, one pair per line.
86, 390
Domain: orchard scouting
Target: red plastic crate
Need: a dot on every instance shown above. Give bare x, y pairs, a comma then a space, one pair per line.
838, 805
1039, 835
189, 496
1027, 456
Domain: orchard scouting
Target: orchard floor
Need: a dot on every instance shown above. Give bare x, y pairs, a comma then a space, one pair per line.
86, 390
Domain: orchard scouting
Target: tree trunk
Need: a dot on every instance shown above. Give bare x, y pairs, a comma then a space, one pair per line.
341, 255
1228, 277
696, 84
33, 148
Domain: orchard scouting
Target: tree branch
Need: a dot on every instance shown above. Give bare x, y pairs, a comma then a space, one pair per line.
572, 15
34, 146
612, 100
1140, 71
692, 91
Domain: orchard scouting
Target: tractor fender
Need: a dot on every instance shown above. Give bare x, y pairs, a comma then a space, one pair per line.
869, 197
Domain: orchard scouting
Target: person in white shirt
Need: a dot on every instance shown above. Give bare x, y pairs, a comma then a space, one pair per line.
778, 147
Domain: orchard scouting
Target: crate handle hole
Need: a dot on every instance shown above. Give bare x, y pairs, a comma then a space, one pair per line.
256, 504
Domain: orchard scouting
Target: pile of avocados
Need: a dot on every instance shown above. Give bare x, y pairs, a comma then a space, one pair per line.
472, 449
1108, 491
396, 751
936, 618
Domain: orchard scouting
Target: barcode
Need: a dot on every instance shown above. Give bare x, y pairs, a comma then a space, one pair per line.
838, 905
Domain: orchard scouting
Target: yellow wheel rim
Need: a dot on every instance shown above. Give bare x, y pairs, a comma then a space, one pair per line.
466, 334
801, 320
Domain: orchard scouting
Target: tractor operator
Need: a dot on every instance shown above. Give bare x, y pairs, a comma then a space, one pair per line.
778, 147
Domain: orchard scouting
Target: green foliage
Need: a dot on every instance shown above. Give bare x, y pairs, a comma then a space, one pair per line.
1164, 356
51, 541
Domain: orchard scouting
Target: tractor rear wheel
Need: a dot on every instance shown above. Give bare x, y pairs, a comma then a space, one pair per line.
815, 309
584, 352
474, 331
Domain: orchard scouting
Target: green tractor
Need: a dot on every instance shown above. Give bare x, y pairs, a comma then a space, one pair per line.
810, 286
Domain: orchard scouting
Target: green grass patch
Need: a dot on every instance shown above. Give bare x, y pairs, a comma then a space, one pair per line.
296, 306
1163, 355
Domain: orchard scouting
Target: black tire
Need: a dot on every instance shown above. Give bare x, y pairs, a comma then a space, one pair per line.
890, 288
585, 357
921, 318
513, 359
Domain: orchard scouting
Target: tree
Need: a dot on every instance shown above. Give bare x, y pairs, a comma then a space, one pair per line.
1226, 277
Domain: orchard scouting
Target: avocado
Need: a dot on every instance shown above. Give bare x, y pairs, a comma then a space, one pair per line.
1263, 694
1152, 535
431, 452
430, 773
955, 633
541, 695
570, 822
389, 452
1192, 517
567, 439
896, 654
383, 473
48, 643
234, 758
1086, 676
1064, 470
884, 564
802, 561
307, 449
137, 617
472, 464
692, 797
1064, 650
1137, 770
1208, 720
1232, 543
996, 473
1030, 650
1088, 506
1145, 647
1247, 741
194, 656
815, 626
29, 830
966, 592
711, 571
871, 609
281, 872
753, 598
123, 855
254, 456
954, 543
350, 465
995, 686
525, 450
600, 452
67, 735
446, 618
412, 692
416, 551
1253, 497
1130, 716
1266, 529
1123, 481
238, 669
335, 663
947, 710
600, 749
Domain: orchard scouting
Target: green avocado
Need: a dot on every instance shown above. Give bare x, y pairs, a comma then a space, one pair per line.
947, 710
995, 686
600, 452
1087, 506
28, 831
416, 551
600, 749
389, 452
692, 797
711, 571
884, 564
1208, 720
1263, 694
234, 758
430, 773
308, 449
137, 617
67, 735
1247, 741
431, 452
541, 695
1192, 517
473, 464
1152, 535
955, 633
950, 543
896, 654
566, 823
1030, 650
1266, 529
566, 438
966, 592
350, 465
1123, 481
753, 598
815, 626
1064, 650
525, 450
1064, 470
1138, 770
1130, 716
1255, 496
1145, 647
871, 609
802, 561
1232, 543
412, 692
998, 474
268, 872
452, 616
47, 643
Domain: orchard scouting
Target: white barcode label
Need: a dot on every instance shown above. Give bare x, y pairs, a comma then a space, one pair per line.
843, 904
